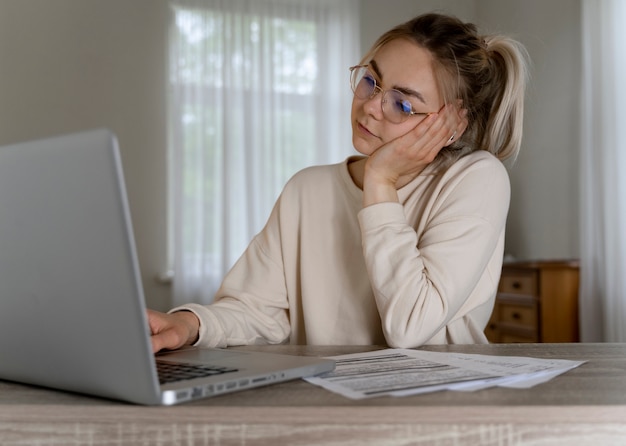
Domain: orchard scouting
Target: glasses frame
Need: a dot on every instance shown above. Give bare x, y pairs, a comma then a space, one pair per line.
377, 88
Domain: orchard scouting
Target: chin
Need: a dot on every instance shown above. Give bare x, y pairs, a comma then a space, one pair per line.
362, 147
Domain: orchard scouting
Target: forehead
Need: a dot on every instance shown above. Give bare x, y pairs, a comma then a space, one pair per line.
404, 64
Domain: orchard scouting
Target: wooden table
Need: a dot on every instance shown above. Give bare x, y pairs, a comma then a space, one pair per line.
585, 406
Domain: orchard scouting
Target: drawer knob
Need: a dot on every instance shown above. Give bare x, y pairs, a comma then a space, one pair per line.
517, 316
517, 285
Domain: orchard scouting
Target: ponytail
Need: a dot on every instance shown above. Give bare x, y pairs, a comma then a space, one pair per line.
504, 116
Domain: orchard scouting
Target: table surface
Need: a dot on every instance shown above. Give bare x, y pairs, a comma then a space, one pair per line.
586, 405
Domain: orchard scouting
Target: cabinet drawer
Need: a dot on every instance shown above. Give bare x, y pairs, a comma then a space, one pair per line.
519, 283
537, 301
492, 332
524, 315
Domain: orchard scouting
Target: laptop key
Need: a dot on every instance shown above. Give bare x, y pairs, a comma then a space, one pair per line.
171, 372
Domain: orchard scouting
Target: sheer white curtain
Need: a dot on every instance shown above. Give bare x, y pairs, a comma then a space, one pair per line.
259, 90
603, 177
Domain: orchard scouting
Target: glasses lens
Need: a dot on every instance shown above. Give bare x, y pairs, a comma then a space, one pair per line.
396, 106
362, 82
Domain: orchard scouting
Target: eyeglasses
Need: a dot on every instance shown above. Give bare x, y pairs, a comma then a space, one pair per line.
396, 105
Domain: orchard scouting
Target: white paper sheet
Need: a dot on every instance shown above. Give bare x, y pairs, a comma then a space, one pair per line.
400, 372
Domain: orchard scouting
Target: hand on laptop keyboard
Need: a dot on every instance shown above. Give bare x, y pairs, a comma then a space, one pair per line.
171, 331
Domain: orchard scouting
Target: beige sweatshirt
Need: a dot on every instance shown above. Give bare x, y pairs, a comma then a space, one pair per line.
325, 270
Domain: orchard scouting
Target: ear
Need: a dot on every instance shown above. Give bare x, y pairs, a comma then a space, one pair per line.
461, 125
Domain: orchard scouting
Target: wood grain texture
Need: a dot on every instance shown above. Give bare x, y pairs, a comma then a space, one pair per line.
586, 406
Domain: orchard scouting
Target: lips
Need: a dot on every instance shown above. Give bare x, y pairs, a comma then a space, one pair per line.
365, 130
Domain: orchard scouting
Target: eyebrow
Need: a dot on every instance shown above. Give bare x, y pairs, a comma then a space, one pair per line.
405, 90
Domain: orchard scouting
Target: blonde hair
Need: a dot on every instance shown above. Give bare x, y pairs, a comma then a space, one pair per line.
487, 73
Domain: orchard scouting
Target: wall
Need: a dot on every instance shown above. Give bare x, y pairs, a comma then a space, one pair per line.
379, 16
68, 65
543, 221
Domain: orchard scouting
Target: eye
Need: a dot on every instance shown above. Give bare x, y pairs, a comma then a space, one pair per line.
369, 80
402, 105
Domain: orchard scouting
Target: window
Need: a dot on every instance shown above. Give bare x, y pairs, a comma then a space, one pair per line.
258, 90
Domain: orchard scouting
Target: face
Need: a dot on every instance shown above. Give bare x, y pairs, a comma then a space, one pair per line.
400, 65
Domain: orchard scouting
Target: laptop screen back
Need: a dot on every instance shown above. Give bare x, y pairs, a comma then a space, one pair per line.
70, 291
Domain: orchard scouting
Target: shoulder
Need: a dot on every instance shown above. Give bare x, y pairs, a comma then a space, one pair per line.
481, 167
472, 184
479, 159
315, 178
312, 192
318, 171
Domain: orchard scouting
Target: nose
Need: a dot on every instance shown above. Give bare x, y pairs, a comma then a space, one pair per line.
373, 105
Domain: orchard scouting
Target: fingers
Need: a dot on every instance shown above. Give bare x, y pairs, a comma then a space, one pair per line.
433, 140
441, 129
161, 335
169, 331
168, 339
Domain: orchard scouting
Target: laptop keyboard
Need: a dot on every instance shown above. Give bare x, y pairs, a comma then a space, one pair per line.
171, 372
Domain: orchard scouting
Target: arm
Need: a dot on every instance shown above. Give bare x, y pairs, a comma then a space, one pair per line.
434, 270
251, 305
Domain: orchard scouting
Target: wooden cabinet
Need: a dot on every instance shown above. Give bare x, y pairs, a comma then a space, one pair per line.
536, 302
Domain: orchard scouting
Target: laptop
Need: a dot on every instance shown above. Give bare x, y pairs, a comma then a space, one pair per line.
72, 309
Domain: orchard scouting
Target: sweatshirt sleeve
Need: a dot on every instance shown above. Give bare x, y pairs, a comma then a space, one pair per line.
423, 273
251, 306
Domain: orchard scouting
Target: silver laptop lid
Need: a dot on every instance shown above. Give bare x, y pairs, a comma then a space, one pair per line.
71, 301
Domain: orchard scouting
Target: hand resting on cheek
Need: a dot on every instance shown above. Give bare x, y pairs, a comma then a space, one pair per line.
400, 160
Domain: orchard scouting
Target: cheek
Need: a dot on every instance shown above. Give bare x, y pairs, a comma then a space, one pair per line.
356, 108
390, 131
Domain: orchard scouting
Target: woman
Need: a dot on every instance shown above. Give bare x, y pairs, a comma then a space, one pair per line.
402, 245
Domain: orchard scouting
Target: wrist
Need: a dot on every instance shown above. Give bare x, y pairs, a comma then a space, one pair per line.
378, 188
192, 324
